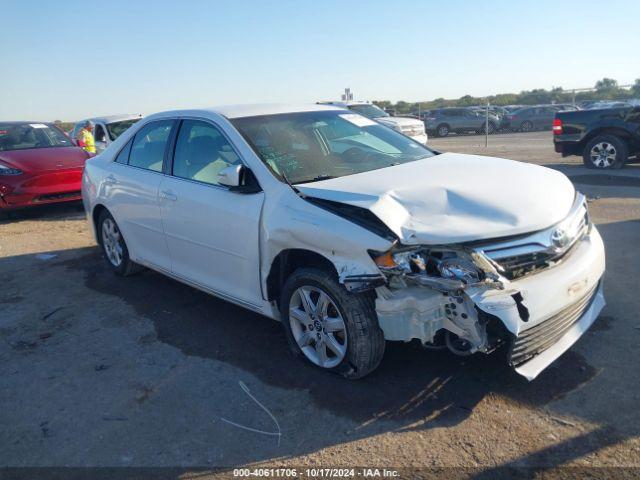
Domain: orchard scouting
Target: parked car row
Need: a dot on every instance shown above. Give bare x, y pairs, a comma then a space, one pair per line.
443, 121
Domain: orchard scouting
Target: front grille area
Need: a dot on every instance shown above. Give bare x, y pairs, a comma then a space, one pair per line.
519, 266
537, 339
57, 196
412, 131
528, 262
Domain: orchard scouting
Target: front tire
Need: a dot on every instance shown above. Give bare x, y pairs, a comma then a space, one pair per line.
492, 128
442, 130
114, 248
330, 327
605, 152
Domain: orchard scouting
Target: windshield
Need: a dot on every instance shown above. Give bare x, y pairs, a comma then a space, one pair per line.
370, 111
312, 146
117, 128
23, 136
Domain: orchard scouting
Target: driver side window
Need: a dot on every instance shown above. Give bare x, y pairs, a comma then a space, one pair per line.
202, 152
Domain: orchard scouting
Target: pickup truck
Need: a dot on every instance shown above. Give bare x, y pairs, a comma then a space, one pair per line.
606, 138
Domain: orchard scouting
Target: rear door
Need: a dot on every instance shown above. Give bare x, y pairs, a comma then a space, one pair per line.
538, 118
133, 185
211, 231
472, 121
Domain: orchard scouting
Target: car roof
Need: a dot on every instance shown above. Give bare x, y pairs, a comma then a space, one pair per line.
252, 110
349, 103
111, 118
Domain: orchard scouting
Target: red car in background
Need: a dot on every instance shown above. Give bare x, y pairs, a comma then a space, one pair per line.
38, 164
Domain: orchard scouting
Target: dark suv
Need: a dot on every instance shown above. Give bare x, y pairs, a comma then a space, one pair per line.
443, 121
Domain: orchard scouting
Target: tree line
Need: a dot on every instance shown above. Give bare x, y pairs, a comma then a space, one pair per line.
605, 89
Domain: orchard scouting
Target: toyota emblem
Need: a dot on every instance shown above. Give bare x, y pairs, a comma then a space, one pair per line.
559, 238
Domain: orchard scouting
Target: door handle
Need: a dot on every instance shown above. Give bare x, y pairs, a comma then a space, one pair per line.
168, 195
110, 180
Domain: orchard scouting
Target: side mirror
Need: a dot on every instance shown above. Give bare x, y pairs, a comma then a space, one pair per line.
231, 176
100, 146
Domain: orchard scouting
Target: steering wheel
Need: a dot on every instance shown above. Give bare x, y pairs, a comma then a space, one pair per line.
356, 155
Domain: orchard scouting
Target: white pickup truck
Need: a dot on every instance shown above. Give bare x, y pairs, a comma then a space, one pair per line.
411, 127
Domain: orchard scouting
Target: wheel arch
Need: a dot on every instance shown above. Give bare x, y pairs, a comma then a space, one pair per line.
95, 216
615, 131
287, 261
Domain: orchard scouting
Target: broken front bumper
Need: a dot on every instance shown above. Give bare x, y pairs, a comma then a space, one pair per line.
544, 313
562, 302
535, 348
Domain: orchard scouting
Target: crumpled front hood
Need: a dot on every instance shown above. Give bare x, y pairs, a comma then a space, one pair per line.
453, 198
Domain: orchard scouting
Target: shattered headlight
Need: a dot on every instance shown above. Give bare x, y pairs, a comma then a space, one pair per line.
409, 261
435, 263
460, 269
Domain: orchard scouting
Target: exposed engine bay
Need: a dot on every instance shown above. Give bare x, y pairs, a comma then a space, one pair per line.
443, 313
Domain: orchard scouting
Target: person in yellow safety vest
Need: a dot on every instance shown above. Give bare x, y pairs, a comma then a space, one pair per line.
85, 138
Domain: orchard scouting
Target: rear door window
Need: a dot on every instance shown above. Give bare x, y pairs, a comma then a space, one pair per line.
123, 156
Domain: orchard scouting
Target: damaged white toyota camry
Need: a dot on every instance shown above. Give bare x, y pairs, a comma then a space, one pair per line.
351, 234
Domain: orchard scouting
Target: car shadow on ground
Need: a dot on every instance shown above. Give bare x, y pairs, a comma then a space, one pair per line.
52, 212
412, 384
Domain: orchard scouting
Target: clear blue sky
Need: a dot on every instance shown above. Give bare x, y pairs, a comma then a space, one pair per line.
70, 59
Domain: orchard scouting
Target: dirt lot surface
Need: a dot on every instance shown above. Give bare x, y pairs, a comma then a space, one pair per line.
102, 371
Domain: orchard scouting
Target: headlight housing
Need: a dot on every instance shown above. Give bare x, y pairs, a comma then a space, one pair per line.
430, 262
459, 268
6, 170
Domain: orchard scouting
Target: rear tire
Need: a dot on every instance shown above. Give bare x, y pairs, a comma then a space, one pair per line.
360, 341
114, 248
526, 126
605, 152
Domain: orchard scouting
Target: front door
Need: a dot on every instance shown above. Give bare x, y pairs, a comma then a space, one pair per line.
212, 232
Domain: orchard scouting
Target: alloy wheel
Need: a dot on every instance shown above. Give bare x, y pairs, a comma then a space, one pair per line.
112, 242
603, 155
317, 326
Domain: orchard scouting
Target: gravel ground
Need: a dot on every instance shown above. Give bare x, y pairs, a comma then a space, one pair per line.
98, 371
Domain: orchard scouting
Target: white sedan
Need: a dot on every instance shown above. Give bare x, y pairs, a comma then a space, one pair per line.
351, 234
